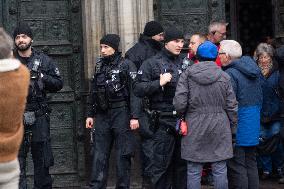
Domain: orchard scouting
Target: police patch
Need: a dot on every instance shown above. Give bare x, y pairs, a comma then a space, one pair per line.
133, 74
57, 71
115, 71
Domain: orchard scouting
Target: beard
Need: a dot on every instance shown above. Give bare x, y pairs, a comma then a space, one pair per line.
24, 47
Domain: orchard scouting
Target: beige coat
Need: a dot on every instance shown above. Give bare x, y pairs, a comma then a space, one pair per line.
14, 83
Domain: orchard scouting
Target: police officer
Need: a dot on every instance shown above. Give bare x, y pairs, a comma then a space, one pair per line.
157, 79
45, 78
110, 116
149, 44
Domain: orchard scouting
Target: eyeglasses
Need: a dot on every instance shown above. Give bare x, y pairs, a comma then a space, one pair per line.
221, 53
225, 33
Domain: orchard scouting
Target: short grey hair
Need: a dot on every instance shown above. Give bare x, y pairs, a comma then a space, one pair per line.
231, 48
264, 48
6, 44
215, 25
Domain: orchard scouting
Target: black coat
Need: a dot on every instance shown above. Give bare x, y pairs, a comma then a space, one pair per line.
141, 51
148, 80
144, 49
46, 79
49, 73
111, 84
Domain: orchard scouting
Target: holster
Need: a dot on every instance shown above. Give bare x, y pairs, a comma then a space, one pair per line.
153, 117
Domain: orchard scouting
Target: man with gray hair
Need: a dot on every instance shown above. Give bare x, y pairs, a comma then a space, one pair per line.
217, 31
245, 78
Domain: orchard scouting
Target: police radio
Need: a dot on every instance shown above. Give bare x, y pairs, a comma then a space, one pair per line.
35, 73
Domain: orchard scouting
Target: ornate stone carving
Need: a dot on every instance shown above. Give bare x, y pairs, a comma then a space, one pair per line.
189, 15
57, 29
75, 6
56, 25
50, 9
217, 10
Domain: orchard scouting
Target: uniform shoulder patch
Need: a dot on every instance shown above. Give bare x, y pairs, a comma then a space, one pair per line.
133, 74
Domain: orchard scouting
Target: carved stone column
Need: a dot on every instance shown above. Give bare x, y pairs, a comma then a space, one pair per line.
92, 16
124, 17
132, 18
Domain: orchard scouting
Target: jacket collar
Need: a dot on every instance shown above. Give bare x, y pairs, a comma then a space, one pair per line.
9, 65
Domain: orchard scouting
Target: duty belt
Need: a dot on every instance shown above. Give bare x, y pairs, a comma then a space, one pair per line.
40, 112
168, 113
113, 105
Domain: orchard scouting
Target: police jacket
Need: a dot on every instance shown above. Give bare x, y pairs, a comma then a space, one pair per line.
45, 77
141, 51
147, 82
144, 49
110, 85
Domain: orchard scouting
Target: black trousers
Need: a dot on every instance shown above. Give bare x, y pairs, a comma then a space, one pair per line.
42, 158
169, 170
146, 145
242, 169
111, 128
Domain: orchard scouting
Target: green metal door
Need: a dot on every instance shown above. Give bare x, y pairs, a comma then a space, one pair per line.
190, 16
56, 25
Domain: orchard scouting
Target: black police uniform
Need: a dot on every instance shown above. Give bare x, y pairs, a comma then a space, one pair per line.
109, 105
45, 78
169, 170
141, 51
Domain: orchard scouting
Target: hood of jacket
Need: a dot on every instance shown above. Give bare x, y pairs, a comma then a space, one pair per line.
205, 73
246, 65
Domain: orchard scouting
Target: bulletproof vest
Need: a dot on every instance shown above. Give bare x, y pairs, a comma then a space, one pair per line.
110, 83
36, 93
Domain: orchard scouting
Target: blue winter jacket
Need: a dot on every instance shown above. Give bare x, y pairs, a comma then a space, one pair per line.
245, 78
271, 102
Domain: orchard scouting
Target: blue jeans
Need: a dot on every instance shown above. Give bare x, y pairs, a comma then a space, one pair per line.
266, 161
219, 171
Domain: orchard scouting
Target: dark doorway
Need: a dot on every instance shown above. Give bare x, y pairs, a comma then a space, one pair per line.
250, 22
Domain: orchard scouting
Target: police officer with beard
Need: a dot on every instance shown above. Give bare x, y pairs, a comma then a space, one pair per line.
45, 78
149, 44
157, 79
109, 112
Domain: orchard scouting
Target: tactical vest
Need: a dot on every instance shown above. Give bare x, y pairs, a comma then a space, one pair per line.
109, 83
36, 93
